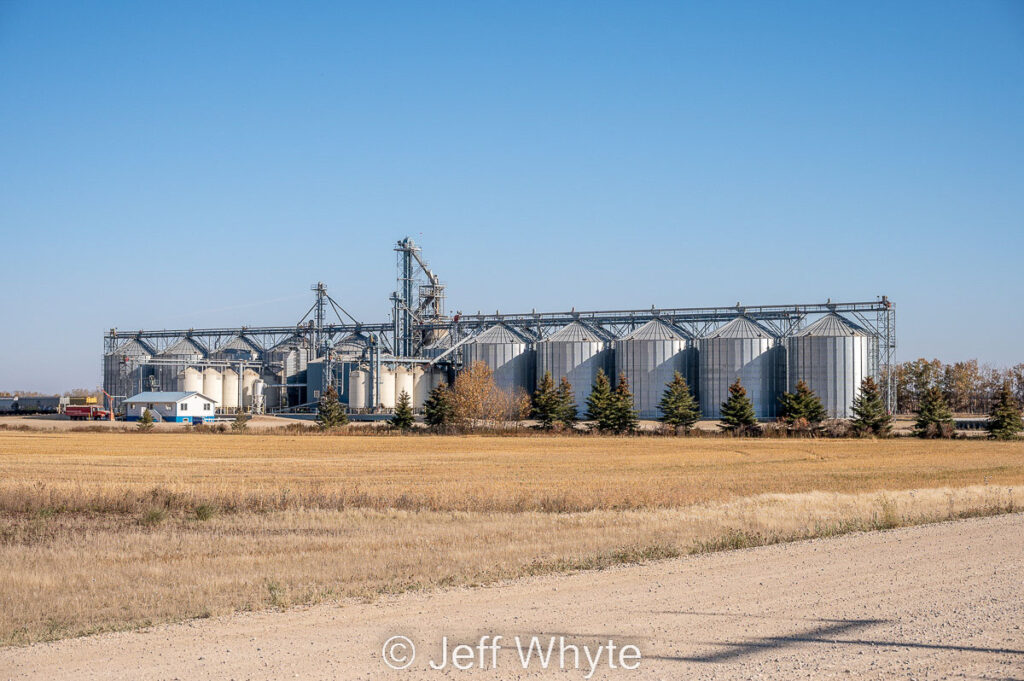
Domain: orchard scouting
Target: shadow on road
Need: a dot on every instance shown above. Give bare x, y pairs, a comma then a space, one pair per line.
827, 632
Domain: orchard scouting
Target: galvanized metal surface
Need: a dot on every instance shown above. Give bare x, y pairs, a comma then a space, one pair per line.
744, 350
833, 356
507, 353
575, 352
649, 357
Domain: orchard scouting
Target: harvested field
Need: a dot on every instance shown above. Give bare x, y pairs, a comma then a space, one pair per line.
108, 531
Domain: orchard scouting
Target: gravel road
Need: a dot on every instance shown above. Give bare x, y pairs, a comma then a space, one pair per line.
935, 601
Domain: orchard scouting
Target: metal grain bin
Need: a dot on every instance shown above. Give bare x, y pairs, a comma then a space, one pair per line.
649, 357
239, 348
832, 355
288, 359
352, 347
184, 352
745, 350
507, 353
120, 373
575, 352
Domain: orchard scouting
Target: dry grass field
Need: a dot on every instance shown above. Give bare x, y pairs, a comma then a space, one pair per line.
104, 531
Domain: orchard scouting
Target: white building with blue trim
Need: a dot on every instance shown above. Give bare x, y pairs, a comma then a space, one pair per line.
176, 407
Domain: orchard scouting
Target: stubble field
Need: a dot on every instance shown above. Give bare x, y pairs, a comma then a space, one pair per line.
104, 531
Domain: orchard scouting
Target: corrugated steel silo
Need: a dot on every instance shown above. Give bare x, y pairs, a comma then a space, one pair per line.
507, 352
745, 350
439, 346
832, 355
184, 352
649, 357
239, 348
352, 347
121, 373
289, 359
576, 352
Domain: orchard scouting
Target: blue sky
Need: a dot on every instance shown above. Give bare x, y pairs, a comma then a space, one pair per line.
201, 164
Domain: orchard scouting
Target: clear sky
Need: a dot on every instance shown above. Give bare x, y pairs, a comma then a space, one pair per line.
202, 163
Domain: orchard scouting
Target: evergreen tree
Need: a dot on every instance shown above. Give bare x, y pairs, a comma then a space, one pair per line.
600, 398
933, 416
544, 403
402, 418
869, 412
241, 421
145, 421
802, 404
1005, 420
621, 416
738, 411
567, 408
678, 406
330, 413
438, 410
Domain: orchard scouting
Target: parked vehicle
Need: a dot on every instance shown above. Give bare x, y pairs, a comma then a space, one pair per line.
86, 412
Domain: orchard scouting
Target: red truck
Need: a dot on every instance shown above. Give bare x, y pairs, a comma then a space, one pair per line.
85, 412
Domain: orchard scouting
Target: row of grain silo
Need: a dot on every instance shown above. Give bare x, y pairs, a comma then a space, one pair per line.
832, 355
181, 368
366, 393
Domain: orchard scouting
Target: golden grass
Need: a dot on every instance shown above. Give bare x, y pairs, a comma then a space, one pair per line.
127, 472
106, 531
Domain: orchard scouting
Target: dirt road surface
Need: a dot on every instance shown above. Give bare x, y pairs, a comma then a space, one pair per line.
927, 602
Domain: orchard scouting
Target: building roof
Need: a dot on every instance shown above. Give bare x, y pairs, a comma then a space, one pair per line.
832, 325
656, 330
741, 327
165, 397
498, 334
239, 343
185, 346
576, 332
133, 347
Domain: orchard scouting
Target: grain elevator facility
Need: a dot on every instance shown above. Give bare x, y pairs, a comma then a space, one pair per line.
832, 346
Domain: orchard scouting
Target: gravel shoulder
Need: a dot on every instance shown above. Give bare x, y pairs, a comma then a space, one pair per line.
931, 601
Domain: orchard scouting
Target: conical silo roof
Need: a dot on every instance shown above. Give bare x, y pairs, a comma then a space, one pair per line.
741, 327
657, 330
240, 344
576, 332
133, 347
832, 325
499, 334
185, 346
296, 340
352, 344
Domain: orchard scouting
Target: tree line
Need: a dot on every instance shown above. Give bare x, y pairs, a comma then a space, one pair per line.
476, 400
968, 387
